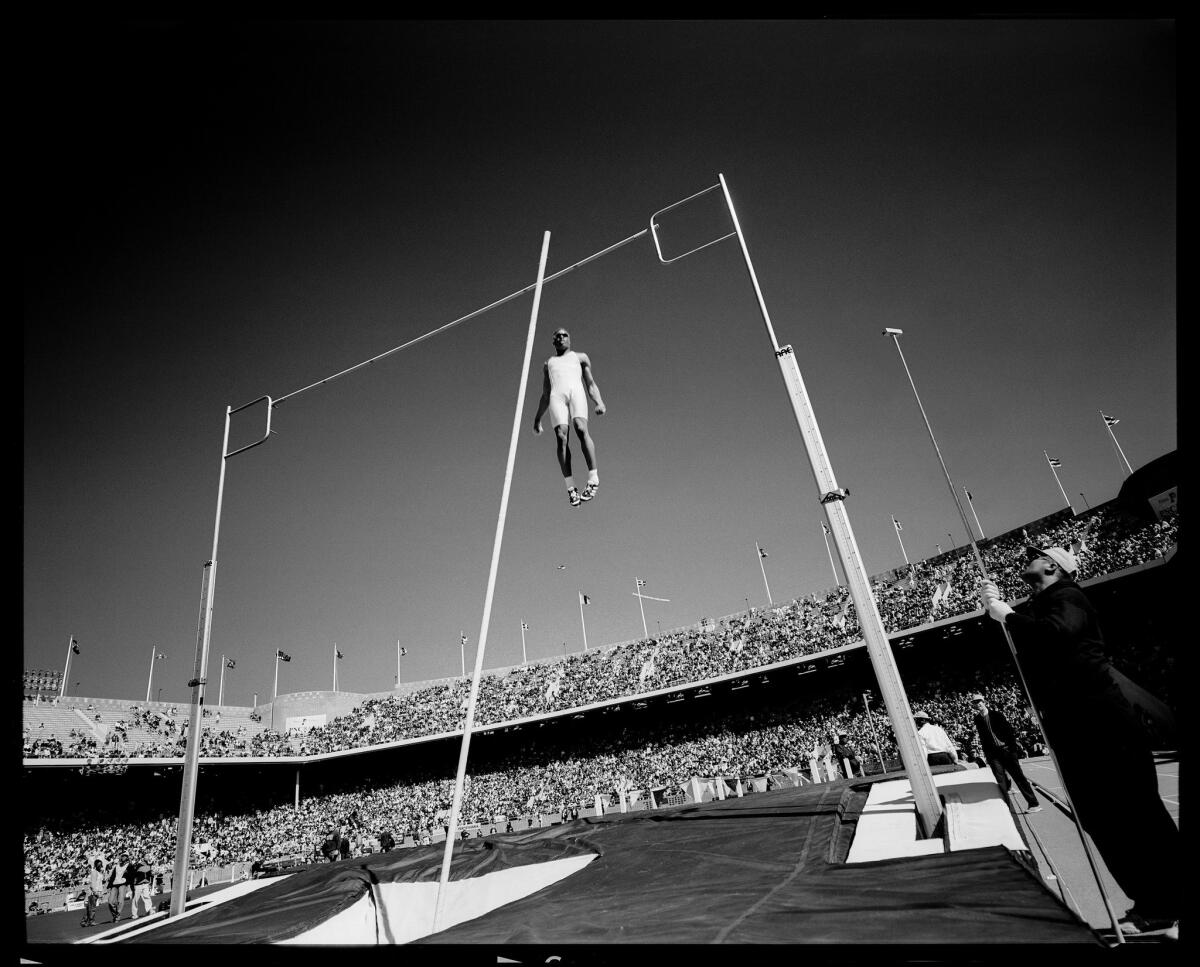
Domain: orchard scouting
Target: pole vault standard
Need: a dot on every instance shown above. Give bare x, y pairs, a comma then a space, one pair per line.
452, 832
833, 499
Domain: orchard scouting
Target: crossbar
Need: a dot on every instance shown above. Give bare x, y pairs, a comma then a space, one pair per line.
461, 319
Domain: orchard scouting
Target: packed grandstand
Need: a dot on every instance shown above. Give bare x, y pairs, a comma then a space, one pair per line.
640, 743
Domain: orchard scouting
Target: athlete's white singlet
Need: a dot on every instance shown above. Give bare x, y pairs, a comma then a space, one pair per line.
567, 397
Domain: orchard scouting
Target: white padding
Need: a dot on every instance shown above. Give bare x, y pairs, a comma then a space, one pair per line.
403, 912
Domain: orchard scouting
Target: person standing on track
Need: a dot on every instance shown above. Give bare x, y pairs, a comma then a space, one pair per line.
565, 376
1105, 759
999, 745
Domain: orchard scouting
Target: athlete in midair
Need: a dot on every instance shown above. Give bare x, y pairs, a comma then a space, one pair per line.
564, 377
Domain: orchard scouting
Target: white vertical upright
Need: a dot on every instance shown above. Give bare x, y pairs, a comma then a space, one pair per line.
825, 531
150, 679
896, 525
1109, 423
452, 832
638, 584
221, 690
191, 764
762, 567
832, 498
1054, 464
582, 623
62, 686
971, 504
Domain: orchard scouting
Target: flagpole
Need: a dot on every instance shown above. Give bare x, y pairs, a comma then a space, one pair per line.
1057, 481
62, 686
397, 661
524, 657
335, 666
221, 690
275, 692
150, 680
896, 524
971, 504
825, 533
582, 623
762, 567
637, 583
1109, 426
462, 651
468, 724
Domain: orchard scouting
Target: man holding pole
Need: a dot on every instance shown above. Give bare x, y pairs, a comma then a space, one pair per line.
1105, 759
564, 377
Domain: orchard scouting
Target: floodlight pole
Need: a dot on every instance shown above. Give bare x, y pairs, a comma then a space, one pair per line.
832, 498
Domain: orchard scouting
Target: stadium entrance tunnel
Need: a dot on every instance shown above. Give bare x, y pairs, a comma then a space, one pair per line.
770, 867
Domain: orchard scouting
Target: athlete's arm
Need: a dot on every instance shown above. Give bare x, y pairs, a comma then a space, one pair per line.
544, 402
589, 381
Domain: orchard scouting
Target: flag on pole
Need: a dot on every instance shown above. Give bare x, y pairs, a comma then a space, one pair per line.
825, 528
561, 567
762, 552
74, 646
1110, 420
463, 637
640, 583
403, 652
159, 656
968, 493
1054, 462
282, 657
524, 626
230, 663
897, 523
584, 599
337, 652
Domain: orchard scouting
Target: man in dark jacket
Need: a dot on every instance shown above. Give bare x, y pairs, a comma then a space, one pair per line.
999, 745
1106, 762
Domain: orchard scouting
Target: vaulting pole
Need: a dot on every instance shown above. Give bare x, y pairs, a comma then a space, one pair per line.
452, 832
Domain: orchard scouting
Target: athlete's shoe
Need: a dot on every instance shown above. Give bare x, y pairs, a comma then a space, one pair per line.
589, 491
1035, 808
573, 496
1135, 922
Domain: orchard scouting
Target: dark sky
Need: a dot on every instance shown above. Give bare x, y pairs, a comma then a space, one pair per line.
218, 212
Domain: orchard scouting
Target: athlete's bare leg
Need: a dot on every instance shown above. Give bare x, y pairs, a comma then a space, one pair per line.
585, 444
563, 436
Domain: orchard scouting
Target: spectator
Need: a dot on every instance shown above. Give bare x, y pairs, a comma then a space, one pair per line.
94, 891
999, 745
843, 753
939, 750
143, 874
117, 882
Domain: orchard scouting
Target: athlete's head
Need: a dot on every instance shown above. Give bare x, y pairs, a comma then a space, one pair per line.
561, 340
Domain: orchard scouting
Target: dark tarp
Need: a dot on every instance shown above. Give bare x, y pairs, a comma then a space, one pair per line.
766, 868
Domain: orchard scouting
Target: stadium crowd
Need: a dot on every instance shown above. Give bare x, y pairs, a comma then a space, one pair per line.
752, 746
1102, 540
543, 778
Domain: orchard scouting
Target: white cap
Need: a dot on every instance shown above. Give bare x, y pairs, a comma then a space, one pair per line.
1059, 555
